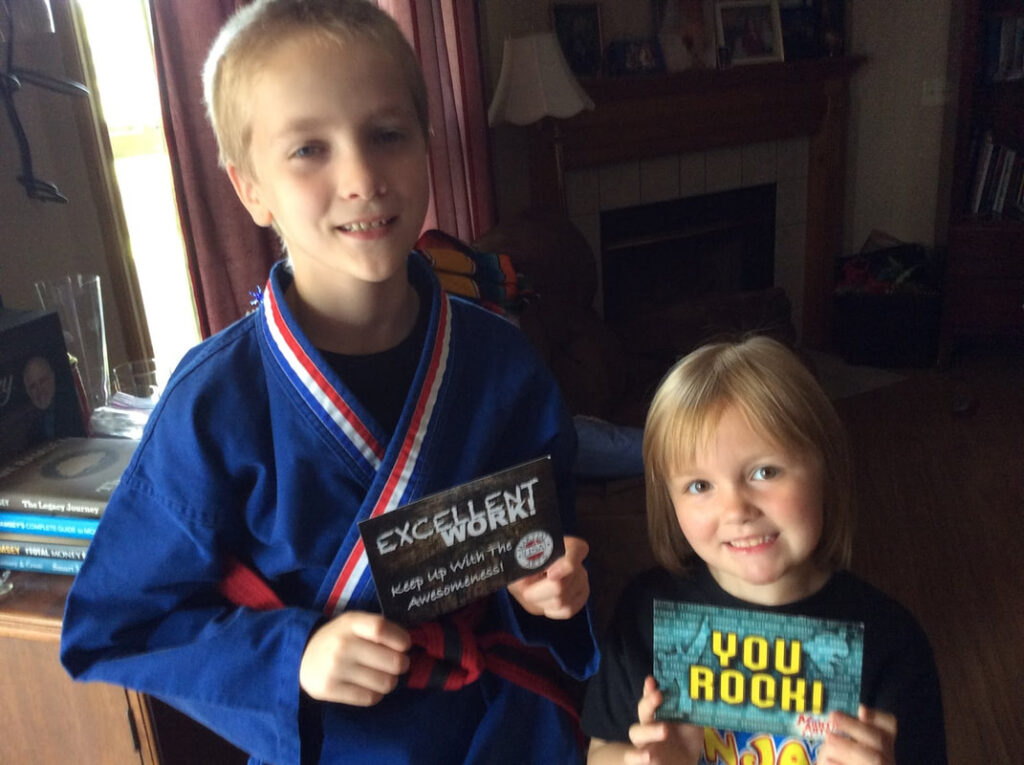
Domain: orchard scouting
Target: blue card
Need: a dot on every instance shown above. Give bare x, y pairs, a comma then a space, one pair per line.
754, 671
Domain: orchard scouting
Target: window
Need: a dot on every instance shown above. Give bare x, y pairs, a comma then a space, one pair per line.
120, 43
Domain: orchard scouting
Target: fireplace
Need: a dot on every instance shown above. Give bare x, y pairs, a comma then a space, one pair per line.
751, 197
658, 255
713, 117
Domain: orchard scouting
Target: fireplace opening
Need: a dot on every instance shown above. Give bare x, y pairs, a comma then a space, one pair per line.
663, 254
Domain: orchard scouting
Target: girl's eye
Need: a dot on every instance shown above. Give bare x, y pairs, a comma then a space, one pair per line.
765, 473
697, 487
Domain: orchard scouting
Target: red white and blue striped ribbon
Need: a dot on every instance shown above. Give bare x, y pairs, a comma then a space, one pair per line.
346, 426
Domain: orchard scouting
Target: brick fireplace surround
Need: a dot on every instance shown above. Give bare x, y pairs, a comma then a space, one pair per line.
662, 137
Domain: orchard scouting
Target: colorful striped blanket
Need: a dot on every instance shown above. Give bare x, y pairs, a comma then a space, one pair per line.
488, 278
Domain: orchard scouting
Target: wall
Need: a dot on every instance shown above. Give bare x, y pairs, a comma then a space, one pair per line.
896, 143
893, 179
44, 240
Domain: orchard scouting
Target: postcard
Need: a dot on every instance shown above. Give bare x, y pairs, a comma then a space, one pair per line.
440, 552
756, 671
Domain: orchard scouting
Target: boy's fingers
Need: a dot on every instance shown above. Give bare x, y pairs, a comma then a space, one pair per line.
576, 550
377, 682
554, 599
378, 658
376, 629
561, 590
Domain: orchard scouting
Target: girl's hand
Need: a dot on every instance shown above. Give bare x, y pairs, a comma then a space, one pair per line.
661, 742
355, 658
560, 590
867, 739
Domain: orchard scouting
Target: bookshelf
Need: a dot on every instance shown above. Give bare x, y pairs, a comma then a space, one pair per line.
984, 296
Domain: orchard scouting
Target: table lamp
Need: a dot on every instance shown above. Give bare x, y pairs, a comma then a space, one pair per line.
536, 83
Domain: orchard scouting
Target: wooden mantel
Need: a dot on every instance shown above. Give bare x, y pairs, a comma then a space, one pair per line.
643, 117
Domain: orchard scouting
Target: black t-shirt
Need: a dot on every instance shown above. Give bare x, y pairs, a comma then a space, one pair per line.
381, 381
898, 673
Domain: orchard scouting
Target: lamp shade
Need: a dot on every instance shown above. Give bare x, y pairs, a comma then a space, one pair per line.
535, 82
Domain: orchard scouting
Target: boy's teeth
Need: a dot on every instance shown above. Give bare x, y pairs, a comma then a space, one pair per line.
363, 225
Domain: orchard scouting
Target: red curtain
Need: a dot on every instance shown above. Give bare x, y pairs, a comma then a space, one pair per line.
228, 255
444, 34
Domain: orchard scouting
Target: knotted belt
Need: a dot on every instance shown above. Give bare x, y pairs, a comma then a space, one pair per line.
446, 654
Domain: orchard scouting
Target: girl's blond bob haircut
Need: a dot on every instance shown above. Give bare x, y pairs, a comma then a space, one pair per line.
248, 38
781, 401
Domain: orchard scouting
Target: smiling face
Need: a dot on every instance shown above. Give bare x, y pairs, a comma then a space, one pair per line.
752, 511
40, 383
338, 164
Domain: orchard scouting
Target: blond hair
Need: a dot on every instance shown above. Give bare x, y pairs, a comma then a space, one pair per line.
781, 400
253, 32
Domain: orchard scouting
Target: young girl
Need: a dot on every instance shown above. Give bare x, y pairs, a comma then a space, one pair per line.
748, 506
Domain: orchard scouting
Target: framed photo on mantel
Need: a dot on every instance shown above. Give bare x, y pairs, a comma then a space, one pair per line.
578, 29
749, 31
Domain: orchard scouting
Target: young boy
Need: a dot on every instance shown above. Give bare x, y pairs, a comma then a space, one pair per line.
356, 387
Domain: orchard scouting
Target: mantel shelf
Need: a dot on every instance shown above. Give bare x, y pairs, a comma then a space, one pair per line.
647, 116
768, 75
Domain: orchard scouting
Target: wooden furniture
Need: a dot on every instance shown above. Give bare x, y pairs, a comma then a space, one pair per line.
47, 718
644, 117
984, 294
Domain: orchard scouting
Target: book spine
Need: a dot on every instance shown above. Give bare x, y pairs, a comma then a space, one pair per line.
988, 195
77, 528
41, 505
17, 502
40, 565
1004, 180
982, 172
34, 549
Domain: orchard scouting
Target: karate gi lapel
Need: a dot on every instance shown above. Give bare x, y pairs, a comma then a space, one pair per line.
393, 471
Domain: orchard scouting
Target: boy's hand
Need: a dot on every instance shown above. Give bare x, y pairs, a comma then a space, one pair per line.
355, 658
560, 590
661, 742
867, 739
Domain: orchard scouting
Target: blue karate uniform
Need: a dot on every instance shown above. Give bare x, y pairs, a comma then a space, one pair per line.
257, 451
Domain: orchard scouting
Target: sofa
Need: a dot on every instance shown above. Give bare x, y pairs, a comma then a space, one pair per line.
608, 373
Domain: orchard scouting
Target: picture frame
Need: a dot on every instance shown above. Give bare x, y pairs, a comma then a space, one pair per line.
749, 31
686, 31
578, 29
633, 57
801, 29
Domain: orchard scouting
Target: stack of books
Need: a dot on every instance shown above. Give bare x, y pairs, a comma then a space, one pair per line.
1003, 48
998, 187
52, 498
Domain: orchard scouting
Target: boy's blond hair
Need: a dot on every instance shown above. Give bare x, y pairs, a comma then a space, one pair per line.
252, 33
780, 399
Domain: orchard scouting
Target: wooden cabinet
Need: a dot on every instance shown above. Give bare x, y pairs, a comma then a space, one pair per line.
45, 717
984, 296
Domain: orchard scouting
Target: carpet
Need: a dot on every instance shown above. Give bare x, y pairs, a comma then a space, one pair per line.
841, 380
